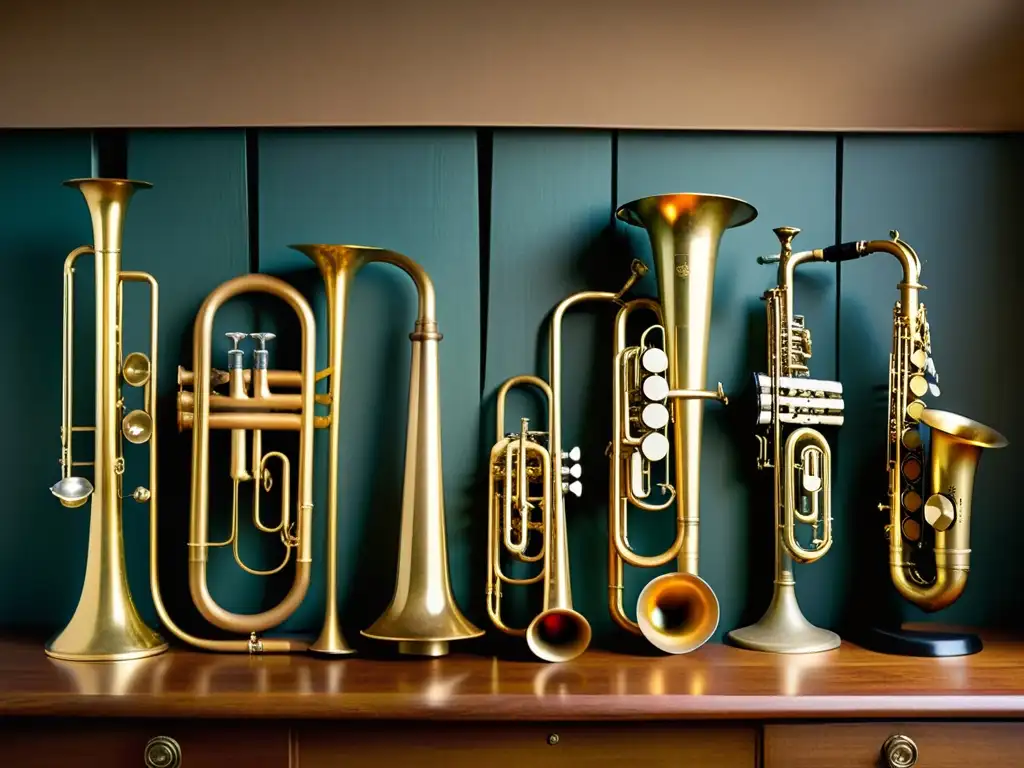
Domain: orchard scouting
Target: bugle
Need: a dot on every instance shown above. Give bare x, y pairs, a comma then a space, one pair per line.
657, 414
106, 625
789, 404
422, 618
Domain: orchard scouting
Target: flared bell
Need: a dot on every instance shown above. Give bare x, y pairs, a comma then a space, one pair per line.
558, 634
784, 629
677, 612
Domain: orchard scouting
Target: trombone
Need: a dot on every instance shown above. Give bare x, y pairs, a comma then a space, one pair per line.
801, 461
106, 626
422, 618
657, 389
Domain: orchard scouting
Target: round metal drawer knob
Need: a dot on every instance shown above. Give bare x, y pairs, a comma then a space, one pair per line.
163, 752
900, 751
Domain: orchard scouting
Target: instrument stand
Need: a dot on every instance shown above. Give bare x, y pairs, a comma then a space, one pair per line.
783, 628
913, 642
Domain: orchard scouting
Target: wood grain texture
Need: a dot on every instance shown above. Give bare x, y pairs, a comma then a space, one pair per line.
858, 745
715, 682
414, 192
791, 181
800, 65
555, 744
42, 221
954, 199
122, 744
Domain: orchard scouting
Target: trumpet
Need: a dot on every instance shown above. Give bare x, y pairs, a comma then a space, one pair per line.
422, 617
657, 383
929, 496
802, 466
106, 626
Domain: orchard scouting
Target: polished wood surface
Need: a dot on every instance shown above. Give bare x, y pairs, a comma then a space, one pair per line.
652, 745
715, 682
859, 745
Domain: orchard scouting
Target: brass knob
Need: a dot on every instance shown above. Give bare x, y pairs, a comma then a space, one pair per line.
900, 751
162, 752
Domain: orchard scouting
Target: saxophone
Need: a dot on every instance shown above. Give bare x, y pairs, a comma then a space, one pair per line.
930, 487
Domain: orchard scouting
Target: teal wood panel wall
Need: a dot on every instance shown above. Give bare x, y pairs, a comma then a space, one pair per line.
547, 231
791, 181
414, 192
955, 200
551, 230
42, 556
190, 232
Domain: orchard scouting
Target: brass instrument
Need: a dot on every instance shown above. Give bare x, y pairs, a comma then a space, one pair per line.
106, 626
658, 384
801, 467
422, 617
936, 489
526, 471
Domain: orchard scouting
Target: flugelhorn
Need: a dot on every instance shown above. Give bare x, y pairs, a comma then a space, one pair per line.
422, 617
106, 625
929, 497
657, 414
789, 401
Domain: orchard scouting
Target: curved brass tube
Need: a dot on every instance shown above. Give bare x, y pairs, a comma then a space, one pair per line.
199, 521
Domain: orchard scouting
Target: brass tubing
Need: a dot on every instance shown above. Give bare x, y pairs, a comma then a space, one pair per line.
199, 519
275, 378
223, 403
268, 421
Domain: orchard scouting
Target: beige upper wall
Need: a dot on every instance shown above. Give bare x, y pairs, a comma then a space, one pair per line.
733, 64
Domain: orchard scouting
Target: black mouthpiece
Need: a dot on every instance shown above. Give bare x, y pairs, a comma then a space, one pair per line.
842, 252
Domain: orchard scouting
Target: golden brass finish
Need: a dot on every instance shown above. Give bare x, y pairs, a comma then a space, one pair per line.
162, 752
106, 626
677, 612
947, 483
900, 752
422, 617
801, 466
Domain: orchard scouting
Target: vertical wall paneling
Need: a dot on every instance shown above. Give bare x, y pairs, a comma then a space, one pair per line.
414, 192
550, 225
43, 550
791, 181
189, 232
956, 201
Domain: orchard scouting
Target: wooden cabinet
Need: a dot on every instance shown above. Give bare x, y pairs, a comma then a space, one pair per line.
718, 707
898, 744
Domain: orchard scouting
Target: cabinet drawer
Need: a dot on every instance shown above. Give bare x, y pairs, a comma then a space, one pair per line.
106, 743
536, 746
860, 745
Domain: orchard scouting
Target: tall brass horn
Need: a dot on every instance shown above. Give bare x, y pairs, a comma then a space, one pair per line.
789, 404
929, 500
530, 470
661, 384
422, 617
106, 626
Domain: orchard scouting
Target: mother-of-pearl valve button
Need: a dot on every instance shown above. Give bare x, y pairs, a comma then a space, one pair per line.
939, 512
654, 446
573, 454
654, 360
655, 388
574, 471
654, 416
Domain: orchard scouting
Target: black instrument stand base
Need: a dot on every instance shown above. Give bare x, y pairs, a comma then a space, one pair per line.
912, 642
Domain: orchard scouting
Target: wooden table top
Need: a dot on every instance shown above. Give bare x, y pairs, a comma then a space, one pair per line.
714, 682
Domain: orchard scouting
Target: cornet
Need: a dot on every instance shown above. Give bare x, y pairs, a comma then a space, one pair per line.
106, 625
802, 466
422, 617
929, 497
657, 389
